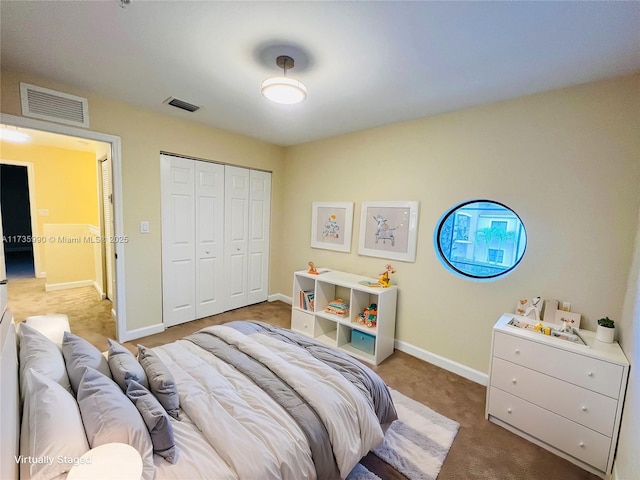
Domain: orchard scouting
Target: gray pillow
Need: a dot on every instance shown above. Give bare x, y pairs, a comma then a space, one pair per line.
79, 353
41, 354
109, 416
156, 419
123, 364
161, 382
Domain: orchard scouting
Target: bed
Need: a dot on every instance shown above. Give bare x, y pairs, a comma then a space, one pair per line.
298, 409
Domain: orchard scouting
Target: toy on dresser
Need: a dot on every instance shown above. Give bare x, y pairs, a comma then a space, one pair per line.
369, 316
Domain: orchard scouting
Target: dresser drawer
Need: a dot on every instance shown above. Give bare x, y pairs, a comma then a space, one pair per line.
302, 322
591, 373
578, 441
588, 408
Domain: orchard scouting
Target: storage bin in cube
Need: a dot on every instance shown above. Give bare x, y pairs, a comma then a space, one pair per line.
363, 341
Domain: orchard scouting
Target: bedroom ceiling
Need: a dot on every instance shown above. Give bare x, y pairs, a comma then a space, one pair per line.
365, 64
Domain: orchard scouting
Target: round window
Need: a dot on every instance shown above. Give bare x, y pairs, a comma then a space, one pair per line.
481, 239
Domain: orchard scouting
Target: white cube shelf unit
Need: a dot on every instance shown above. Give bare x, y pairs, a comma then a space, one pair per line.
335, 330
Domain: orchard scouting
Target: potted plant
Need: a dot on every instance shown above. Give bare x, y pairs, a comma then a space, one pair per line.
606, 330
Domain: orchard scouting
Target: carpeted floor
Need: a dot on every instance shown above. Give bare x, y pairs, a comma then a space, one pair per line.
89, 316
481, 450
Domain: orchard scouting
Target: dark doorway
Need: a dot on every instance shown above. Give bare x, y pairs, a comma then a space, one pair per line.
16, 221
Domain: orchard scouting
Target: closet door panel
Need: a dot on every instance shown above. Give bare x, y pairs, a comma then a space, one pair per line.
236, 238
178, 240
259, 221
209, 190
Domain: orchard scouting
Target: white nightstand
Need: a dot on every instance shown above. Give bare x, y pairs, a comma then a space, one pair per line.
111, 461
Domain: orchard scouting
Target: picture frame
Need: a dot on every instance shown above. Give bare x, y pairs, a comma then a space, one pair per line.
331, 225
572, 318
389, 230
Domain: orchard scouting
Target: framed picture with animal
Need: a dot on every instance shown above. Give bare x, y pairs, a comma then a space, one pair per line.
389, 230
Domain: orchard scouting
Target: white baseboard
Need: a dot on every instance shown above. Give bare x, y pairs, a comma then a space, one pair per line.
140, 332
442, 362
101, 294
41, 275
280, 297
50, 287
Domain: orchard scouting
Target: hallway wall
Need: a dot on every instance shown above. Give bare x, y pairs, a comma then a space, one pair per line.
66, 193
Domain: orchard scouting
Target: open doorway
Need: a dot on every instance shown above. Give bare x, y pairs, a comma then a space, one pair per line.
16, 221
52, 192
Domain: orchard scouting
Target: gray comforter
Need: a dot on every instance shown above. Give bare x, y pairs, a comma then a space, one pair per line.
272, 381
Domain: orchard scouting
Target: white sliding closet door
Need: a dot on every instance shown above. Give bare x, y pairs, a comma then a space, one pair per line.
246, 240
215, 238
178, 240
259, 218
236, 237
209, 238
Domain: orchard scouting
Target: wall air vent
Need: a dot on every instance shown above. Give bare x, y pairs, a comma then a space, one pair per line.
176, 102
45, 104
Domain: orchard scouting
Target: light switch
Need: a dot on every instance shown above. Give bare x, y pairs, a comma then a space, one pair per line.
144, 227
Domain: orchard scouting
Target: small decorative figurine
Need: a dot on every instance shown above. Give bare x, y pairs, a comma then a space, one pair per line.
384, 280
312, 269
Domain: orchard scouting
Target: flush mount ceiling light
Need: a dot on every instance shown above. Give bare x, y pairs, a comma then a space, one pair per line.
13, 135
283, 89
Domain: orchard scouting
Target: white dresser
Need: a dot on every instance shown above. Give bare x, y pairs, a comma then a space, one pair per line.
562, 396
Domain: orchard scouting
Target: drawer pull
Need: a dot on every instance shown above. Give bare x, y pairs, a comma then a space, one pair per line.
514, 381
517, 351
590, 374
581, 444
584, 409
508, 410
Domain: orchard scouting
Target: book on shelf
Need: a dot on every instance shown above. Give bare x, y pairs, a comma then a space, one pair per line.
307, 299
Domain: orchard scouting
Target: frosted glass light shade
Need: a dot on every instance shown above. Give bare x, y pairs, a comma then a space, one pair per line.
284, 90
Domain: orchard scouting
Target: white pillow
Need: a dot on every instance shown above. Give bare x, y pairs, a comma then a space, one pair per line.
41, 354
109, 416
55, 426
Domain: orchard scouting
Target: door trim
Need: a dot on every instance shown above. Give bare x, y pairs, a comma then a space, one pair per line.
116, 164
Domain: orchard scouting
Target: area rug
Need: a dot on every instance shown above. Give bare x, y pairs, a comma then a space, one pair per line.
416, 444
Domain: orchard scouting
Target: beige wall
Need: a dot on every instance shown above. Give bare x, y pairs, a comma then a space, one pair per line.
628, 332
567, 161
144, 135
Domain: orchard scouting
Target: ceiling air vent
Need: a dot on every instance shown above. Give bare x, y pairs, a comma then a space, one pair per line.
45, 104
176, 102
